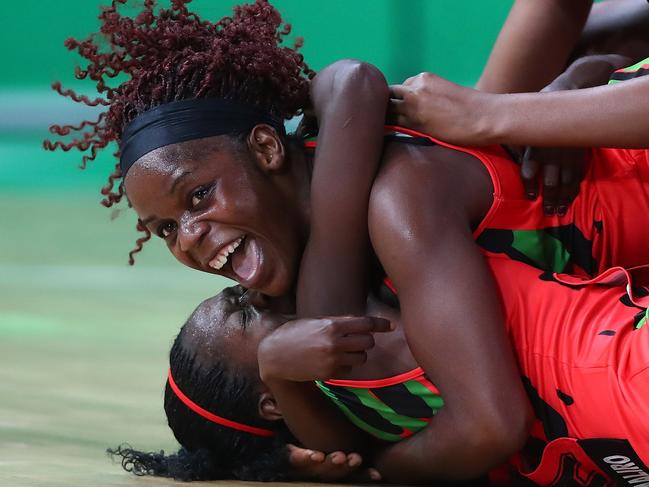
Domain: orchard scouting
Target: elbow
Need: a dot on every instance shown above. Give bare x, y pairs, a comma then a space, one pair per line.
371, 81
359, 78
509, 435
495, 437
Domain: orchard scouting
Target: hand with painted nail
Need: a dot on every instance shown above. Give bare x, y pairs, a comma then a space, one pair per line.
558, 172
310, 464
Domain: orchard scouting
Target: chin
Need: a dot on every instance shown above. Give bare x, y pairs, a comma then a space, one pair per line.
279, 285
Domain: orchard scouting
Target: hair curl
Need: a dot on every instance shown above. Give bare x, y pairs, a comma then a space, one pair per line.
208, 450
171, 54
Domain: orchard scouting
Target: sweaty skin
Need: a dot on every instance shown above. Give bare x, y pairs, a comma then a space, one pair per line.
205, 195
349, 100
422, 207
584, 361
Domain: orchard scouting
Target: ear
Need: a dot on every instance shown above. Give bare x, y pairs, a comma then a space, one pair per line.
267, 148
268, 407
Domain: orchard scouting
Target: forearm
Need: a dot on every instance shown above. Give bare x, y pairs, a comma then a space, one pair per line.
350, 100
314, 420
605, 116
443, 454
534, 45
301, 351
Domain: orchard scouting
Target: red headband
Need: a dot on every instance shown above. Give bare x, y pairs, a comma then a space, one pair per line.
213, 417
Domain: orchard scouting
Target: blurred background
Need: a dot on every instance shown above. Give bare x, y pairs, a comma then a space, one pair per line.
84, 337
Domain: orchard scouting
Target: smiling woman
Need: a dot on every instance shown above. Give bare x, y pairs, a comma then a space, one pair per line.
247, 65
207, 166
231, 208
242, 178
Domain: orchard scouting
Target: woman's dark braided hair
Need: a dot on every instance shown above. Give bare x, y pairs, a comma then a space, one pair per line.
210, 451
171, 54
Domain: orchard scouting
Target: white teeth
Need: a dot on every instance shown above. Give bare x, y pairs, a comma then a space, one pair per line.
221, 259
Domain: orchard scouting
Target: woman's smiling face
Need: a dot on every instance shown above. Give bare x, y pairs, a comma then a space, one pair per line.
225, 206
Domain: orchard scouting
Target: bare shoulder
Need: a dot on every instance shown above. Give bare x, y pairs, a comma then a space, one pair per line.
420, 185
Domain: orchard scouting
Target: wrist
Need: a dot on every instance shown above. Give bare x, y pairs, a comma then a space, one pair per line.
492, 119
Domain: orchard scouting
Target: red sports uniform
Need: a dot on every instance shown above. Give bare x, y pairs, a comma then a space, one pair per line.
606, 225
583, 349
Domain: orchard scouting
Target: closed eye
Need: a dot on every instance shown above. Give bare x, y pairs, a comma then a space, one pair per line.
246, 314
246, 309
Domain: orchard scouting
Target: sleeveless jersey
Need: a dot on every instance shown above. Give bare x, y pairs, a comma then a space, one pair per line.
603, 227
606, 225
583, 350
390, 409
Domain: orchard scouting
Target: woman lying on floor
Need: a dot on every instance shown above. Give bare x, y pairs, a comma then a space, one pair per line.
582, 348
231, 194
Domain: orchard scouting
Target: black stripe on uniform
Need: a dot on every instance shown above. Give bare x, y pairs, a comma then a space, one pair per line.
369, 415
403, 402
622, 76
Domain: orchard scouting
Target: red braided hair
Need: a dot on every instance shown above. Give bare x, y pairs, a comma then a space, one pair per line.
170, 54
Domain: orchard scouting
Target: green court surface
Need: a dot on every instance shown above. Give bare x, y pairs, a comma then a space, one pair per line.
83, 341
83, 336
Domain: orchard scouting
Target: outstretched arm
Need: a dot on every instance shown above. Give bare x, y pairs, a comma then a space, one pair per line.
604, 116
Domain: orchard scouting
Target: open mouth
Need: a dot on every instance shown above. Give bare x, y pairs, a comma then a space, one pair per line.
243, 256
224, 254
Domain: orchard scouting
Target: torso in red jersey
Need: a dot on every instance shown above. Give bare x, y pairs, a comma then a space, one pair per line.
605, 226
583, 351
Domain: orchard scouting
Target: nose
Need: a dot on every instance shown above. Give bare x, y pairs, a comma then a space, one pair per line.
190, 232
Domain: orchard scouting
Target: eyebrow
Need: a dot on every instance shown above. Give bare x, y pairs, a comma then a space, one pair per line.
177, 181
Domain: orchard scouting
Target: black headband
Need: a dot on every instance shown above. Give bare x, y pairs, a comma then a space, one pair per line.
181, 121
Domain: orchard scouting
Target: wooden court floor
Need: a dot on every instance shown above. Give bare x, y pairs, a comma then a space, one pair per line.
83, 341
